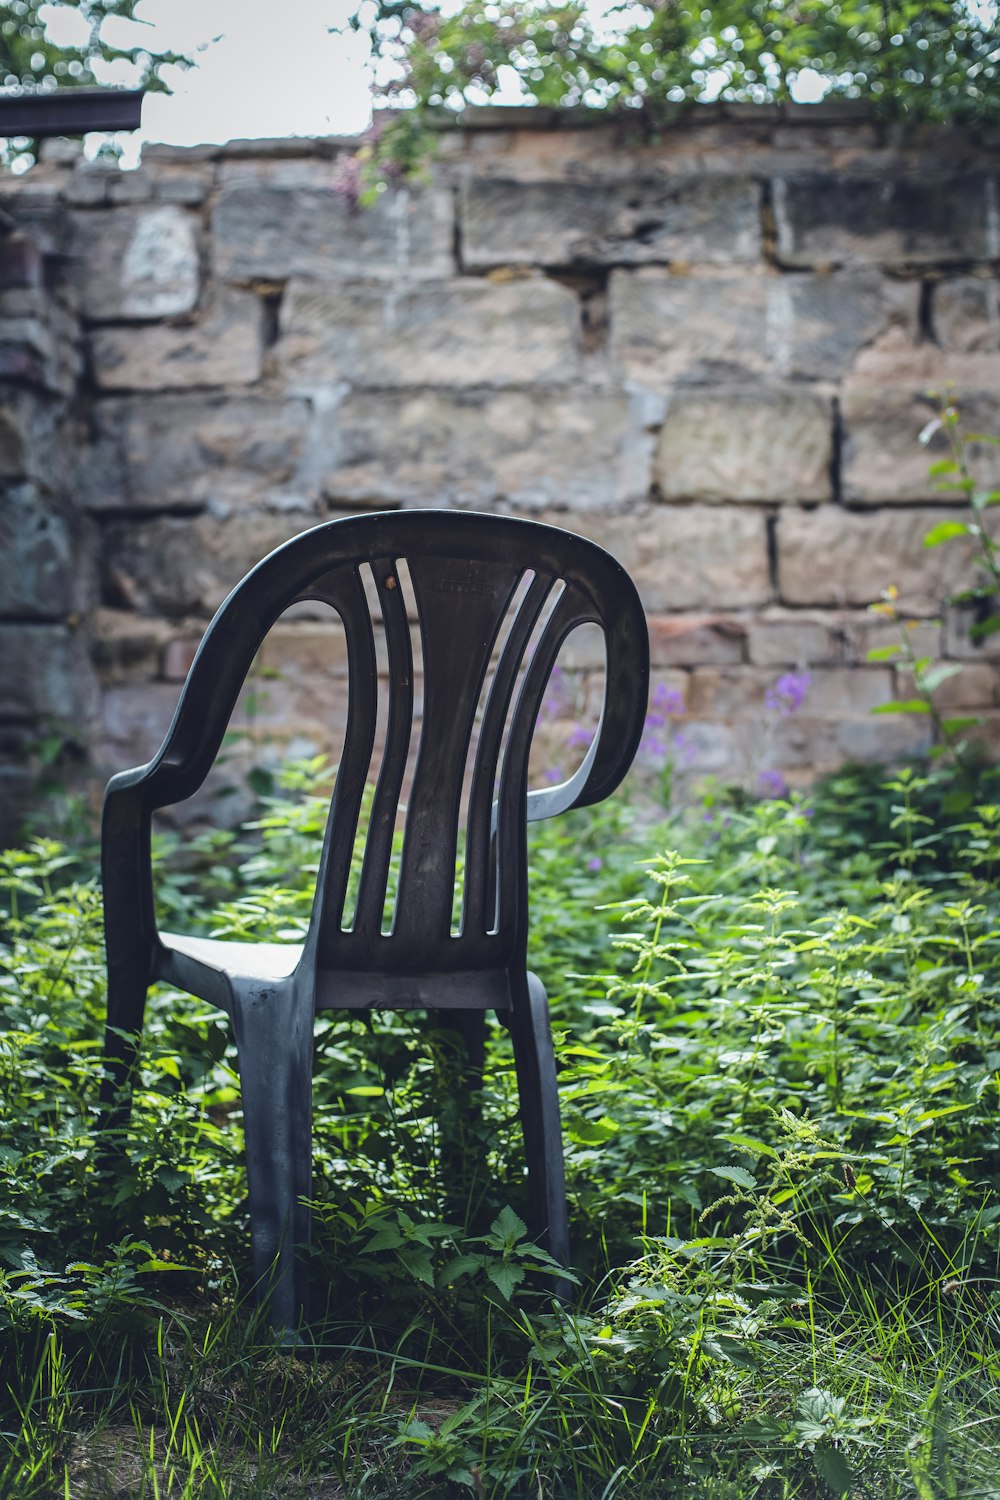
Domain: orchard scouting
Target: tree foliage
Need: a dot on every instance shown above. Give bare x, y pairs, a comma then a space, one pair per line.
929, 59
29, 58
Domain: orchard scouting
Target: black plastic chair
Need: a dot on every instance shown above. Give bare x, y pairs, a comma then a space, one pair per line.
484, 589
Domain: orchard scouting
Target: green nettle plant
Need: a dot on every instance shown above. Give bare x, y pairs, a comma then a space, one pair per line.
780, 1088
954, 735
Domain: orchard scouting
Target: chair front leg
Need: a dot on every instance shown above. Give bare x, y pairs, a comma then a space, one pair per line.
273, 1023
122, 1039
534, 1060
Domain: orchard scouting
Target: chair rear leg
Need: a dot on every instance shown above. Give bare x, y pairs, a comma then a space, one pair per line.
461, 1163
273, 1023
535, 1062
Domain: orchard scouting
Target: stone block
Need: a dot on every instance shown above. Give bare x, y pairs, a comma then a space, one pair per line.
178, 656
20, 261
976, 685
884, 463
177, 185
668, 327
694, 640
183, 568
45, 675
791, 639
134, 719
137, 263
189, 451
966, 314
479, 449
224, 348
830, 693
873, 632
832, 557
132, 186
762, 443
126, 647
23, 419
882, 737
708, 329
274, 232
691, 557
850, 219
961, 641
466, 332
42, 574
647, 220
821, 324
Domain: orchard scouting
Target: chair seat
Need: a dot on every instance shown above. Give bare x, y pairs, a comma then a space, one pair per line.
211, 965
238, 960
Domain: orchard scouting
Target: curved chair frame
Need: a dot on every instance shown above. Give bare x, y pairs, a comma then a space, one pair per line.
473, 577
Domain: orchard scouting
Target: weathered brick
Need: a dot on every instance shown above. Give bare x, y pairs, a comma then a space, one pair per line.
883, 461
42, 573
645, 221
667, 326
690, 557
975, 685
693, 640
462, 332
966, 313
873, 632
801, 745
761, 443
834, 557
45, 674
261, 231
787, 639
478, 448
192, 450
224, 348
825, 219
830, 693
137, 263
961, 640
184, 567
126, 647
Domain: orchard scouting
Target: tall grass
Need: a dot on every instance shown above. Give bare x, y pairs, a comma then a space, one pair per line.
777, 1030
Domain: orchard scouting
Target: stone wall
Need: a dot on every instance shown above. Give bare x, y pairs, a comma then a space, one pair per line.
711, 352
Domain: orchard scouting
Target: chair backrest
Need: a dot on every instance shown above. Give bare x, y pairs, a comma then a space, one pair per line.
483, 591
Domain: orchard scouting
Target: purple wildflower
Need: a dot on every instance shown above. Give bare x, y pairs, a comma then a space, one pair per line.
596, 863
686, 749
663, 705
771, 783
788, 694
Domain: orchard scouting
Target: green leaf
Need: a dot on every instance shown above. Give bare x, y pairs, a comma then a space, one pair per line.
934, 678
959, 726
506, 1278
738, 1175
883, 653
904, 706
507, 1226
834, 1468
944, 531
386, 1238
462, 1265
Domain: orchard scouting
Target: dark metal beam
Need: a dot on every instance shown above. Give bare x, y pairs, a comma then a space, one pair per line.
69, 111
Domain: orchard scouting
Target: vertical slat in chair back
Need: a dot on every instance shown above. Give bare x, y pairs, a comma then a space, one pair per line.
488, 631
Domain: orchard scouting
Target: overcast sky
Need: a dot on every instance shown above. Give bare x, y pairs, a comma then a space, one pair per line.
262, 69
